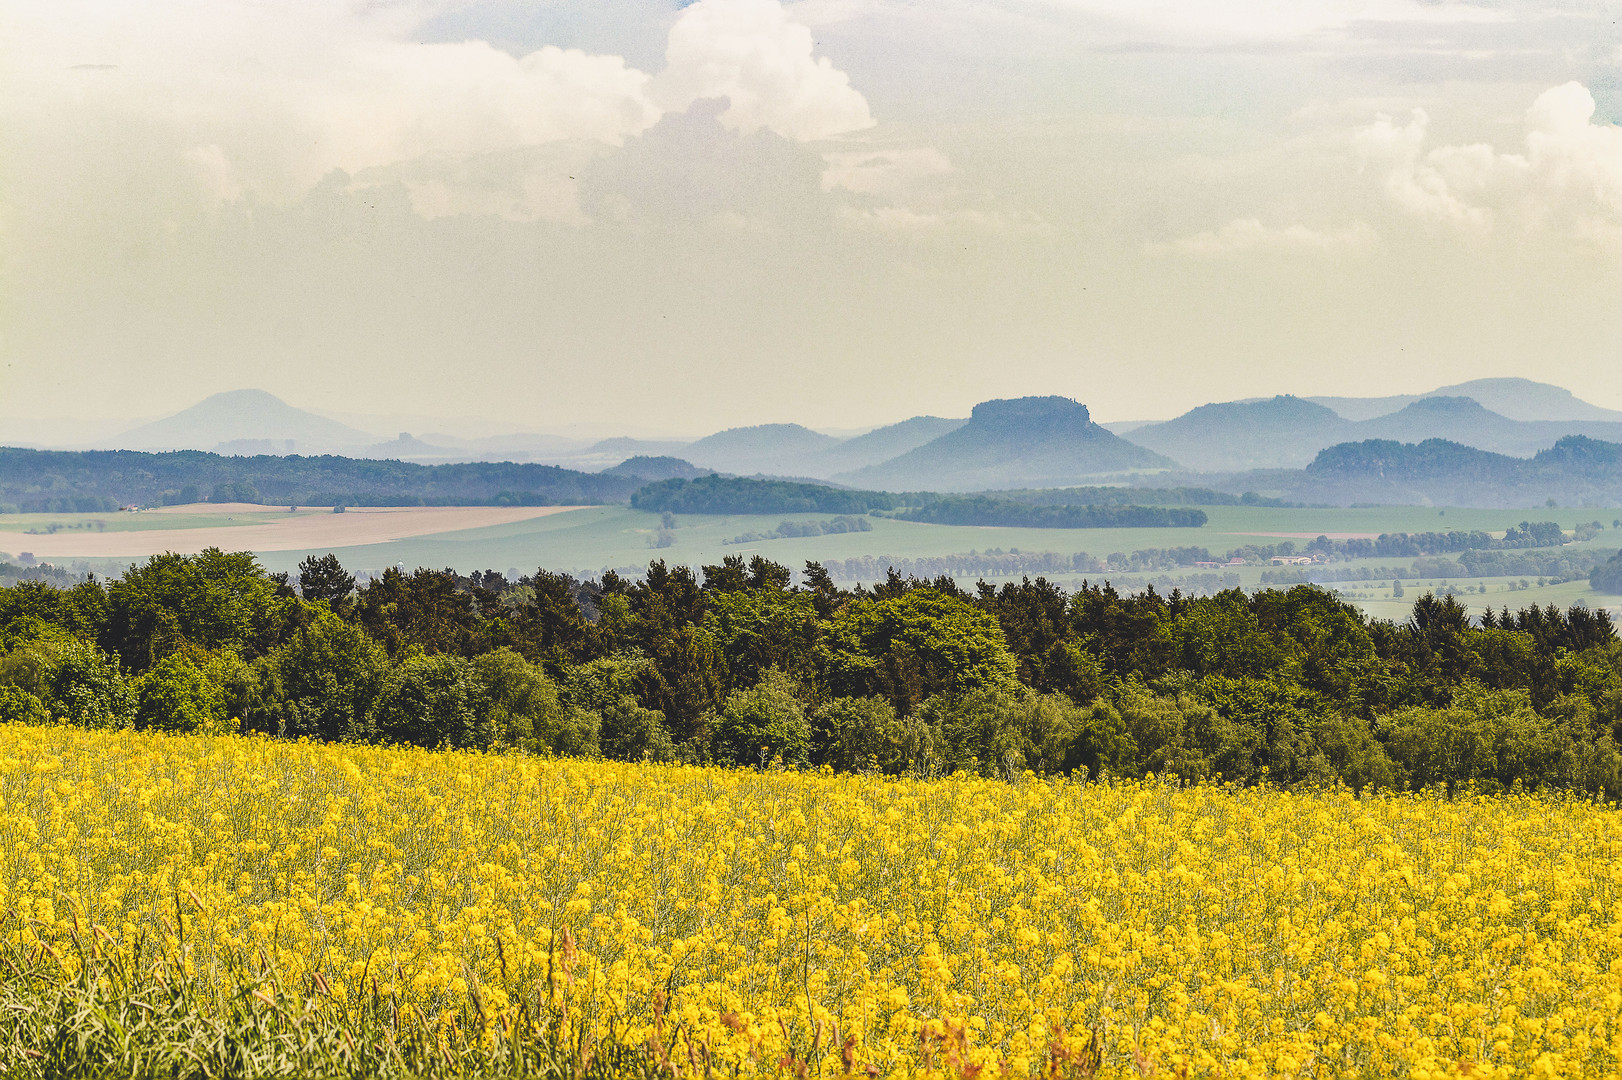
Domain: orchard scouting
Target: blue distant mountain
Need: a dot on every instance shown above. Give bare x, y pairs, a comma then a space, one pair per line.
1518, 399
243, 418
880, 445
781, 449
1017, 443
1231, 436
1287, 432
657, 468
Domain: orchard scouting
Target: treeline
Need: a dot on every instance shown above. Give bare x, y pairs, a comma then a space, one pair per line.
991, 510
736, 664
740, 495
787, 530
1427, 459
1607, 576
1553, 566
1526, 535
11, 573
997, 563
48, 481
1140, 496
1565, 565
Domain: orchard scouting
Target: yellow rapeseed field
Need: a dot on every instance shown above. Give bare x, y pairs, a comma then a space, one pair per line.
825, 925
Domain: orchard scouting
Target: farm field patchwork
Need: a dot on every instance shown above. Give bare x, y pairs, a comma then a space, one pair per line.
157, 518
245, 527
772, 922
590, 539
594, 537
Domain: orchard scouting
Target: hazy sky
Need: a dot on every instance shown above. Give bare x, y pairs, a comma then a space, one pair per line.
836, 212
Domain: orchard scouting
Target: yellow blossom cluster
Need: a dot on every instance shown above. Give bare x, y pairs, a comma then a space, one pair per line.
841, 925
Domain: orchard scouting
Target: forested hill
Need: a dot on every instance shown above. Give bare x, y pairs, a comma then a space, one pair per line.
1387, 459
1576, 470
97, 480
1025, 442
742, 495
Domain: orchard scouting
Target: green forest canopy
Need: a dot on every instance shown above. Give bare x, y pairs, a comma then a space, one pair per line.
93, 481
736, 663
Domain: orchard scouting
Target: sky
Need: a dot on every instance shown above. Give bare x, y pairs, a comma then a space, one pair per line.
675, 218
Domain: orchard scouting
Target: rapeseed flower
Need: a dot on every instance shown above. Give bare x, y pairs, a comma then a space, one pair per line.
774, 921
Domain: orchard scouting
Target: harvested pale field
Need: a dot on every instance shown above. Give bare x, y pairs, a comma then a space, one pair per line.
272, 529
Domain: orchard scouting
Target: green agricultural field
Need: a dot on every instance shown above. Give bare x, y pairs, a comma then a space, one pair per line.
1498, 595
598, 537
589, 540
16, 528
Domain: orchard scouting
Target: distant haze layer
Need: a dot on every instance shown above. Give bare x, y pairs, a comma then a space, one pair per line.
1030, 442
676, 218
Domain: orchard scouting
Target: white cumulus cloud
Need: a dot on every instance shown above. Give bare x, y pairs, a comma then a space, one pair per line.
262, 101
751, 53
1567, 179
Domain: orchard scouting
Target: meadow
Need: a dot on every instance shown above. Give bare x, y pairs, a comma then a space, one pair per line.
595, 537
743, 922
587, 540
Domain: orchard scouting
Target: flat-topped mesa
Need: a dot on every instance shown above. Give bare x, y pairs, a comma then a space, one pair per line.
1011, 443
1051, 409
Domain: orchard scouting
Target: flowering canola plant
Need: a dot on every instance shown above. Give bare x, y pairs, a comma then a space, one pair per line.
839, 925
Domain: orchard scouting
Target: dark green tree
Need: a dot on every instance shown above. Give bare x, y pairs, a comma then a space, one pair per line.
175, 696
909, 647
432, 700
321, 683
324, 578
1034, 616
763, 722
762, 628
424, 609
208, 601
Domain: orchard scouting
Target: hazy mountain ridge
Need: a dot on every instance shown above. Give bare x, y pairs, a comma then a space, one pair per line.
253, 423
1018, 442
881, 445
772, 448
1287, 432
1576, 471
1291, 448
1518, 399
238, 415
1465, 420
625, 446
1237, 435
